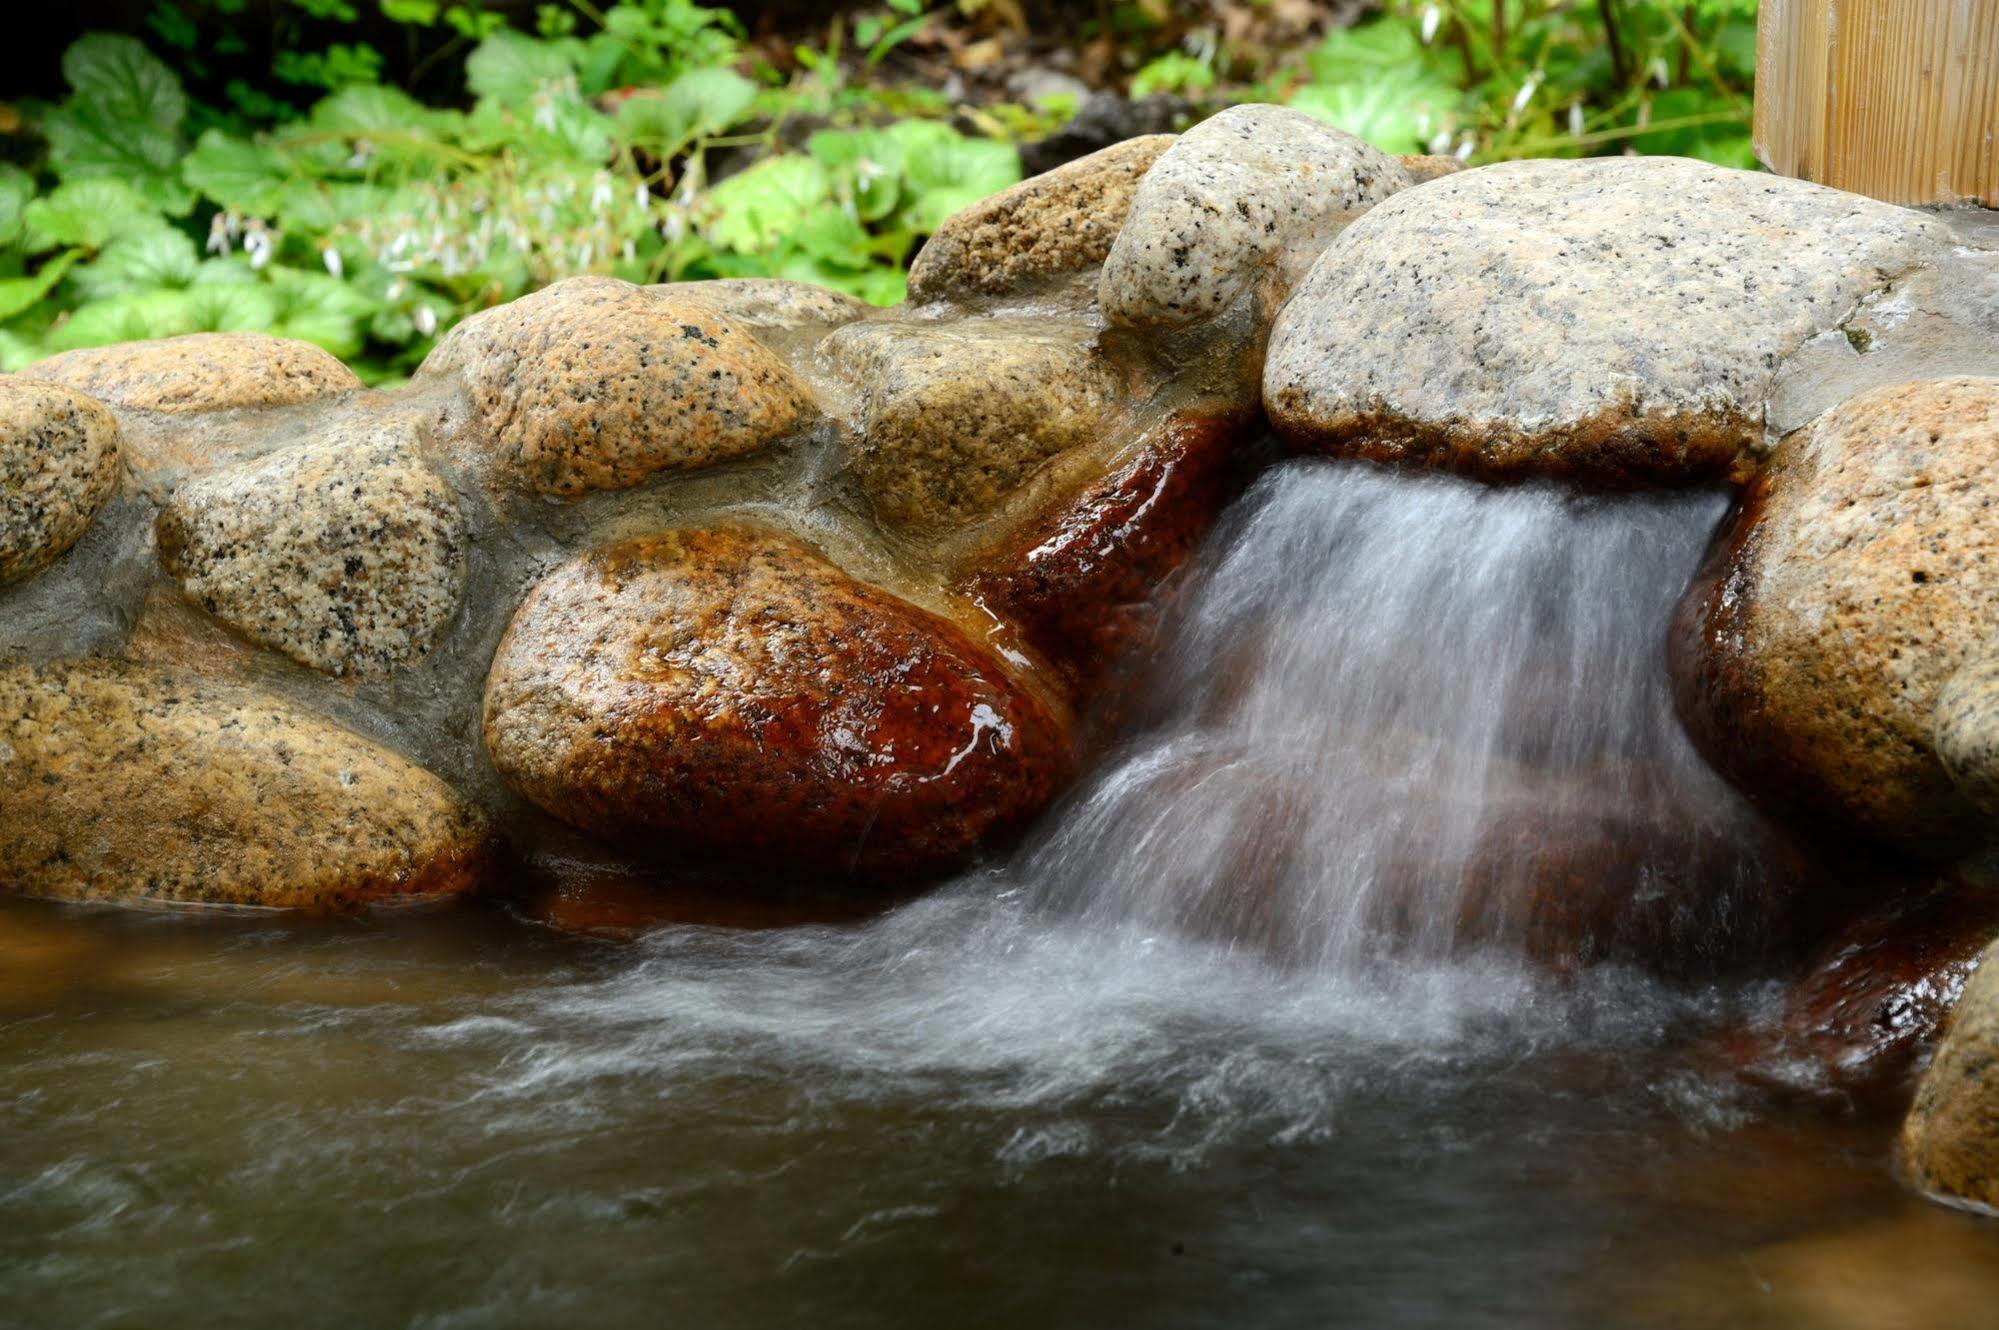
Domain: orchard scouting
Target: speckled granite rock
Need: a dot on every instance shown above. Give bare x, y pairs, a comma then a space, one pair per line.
953, 419
1621, 318
347, 555
1238, 198
731, 692
58, 465
1965, 732
1862, 575
596, 384
199, 372
769, 303
122, 783
1950, 1140
1058, 222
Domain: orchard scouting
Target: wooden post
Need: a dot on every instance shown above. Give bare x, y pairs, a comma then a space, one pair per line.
1894, 98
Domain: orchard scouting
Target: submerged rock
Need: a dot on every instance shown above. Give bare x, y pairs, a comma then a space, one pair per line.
1950, 1140
58, 466
346, 555
1060, 222
596, 384
1614, 318
200, 372
1250, 194
123, 783
1862, 575
955, 419
730, 692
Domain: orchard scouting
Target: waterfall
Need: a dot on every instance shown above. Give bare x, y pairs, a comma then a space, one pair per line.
1407, 713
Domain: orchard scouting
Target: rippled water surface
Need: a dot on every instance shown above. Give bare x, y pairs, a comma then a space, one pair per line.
1052, 1094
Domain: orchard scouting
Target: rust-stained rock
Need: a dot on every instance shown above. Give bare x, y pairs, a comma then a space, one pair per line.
199, 372
1059, 222
1865, 1018
731, 693
1429, 166
596, 384
346, 554
1861, 575
58, 466
953, 420
1950, 1140
123, 783
1079, 581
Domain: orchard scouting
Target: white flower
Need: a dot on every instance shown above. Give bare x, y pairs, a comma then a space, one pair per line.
1657, 70
330, 255
1432, 18
867, 170
673, 226
1440, 142
544, 110
425, 320
1464, 151
258, 242
363, 150
218, 234
1576, 119
600, 195
397, 289
1527, 91
641, 196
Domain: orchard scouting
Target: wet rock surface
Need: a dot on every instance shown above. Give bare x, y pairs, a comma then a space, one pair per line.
596, 384
1860, 578
200, 372
58, 464
1950, 1141
346, 555
127, 783
769, 303
1620, 319
1059, 222
732, 693
952, 421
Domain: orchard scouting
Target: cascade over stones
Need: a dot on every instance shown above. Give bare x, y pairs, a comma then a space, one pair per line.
766, 705
58, 465
1617, 319
1860, 579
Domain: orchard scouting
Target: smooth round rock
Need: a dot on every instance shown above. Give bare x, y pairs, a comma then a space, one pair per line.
121, 783
58, 466
1059, 222
1253, 190
955, 419
596, 384
1614, 318
200, 372
1965, 731
1861, 575
731, 693
347, 555
1950, 1140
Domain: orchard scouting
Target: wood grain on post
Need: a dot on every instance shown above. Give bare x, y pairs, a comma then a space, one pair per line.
1898, 99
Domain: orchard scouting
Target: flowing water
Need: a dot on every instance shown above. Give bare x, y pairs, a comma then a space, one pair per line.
1245, 1037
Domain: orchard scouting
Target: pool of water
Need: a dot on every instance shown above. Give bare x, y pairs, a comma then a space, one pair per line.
1221, 1046
963, 1113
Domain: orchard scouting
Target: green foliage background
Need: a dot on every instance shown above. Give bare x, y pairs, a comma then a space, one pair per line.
325, 204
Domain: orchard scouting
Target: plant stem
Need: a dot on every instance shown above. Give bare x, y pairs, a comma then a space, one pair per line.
1615, 42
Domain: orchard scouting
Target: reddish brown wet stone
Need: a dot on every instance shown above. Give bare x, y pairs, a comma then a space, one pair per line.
1079, 581
1860, 577
126, 783
731, 693
200, 372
